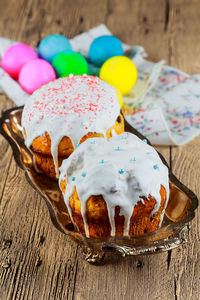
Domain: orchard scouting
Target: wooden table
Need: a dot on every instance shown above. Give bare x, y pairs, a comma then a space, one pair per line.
37, 261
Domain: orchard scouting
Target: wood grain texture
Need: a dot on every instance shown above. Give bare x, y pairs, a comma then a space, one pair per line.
186, 159
37, 261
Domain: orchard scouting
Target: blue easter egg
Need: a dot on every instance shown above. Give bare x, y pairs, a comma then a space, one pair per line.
103, 48
51, 45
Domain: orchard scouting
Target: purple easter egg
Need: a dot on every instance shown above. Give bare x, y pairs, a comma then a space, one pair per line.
15, 57
35, 74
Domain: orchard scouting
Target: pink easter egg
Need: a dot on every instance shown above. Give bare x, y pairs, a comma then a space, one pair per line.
15, 57
36, 73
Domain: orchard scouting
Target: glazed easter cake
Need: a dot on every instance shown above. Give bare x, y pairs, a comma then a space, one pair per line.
115, 187
64, 113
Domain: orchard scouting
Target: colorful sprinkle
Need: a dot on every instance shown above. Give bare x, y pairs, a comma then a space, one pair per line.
122, 137
83, 174
133, 159
118, 148
121, 171
77, 145
145, 141
73, 178
148, 153
155, 167
102, 161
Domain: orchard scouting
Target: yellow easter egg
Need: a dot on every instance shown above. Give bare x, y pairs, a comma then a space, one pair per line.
120, 72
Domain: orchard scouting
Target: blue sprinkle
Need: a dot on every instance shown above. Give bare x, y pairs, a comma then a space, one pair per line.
77, 145
102, 161
145, 141
148, 153
121, 171
83, 174
73, 178
155, 167
133, 159
118, 148
122, 137
93, 142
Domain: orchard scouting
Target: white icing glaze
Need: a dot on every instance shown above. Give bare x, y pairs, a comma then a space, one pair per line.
121, 169
72, 107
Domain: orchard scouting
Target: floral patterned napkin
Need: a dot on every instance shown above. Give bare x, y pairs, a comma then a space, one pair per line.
170, 112
164, 104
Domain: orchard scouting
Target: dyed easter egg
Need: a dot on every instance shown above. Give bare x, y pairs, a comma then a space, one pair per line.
51, 45
35, 74
103, 48
120, 72
15, 57
70, 62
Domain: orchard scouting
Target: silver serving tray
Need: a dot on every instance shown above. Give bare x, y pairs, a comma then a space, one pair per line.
180, 210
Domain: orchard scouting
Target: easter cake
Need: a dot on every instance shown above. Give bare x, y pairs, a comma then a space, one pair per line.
63, 113
115, 187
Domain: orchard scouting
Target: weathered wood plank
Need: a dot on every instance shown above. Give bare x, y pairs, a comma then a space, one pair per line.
185, 45
6, 26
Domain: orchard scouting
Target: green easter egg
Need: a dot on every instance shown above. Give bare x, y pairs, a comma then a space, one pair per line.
70, 62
